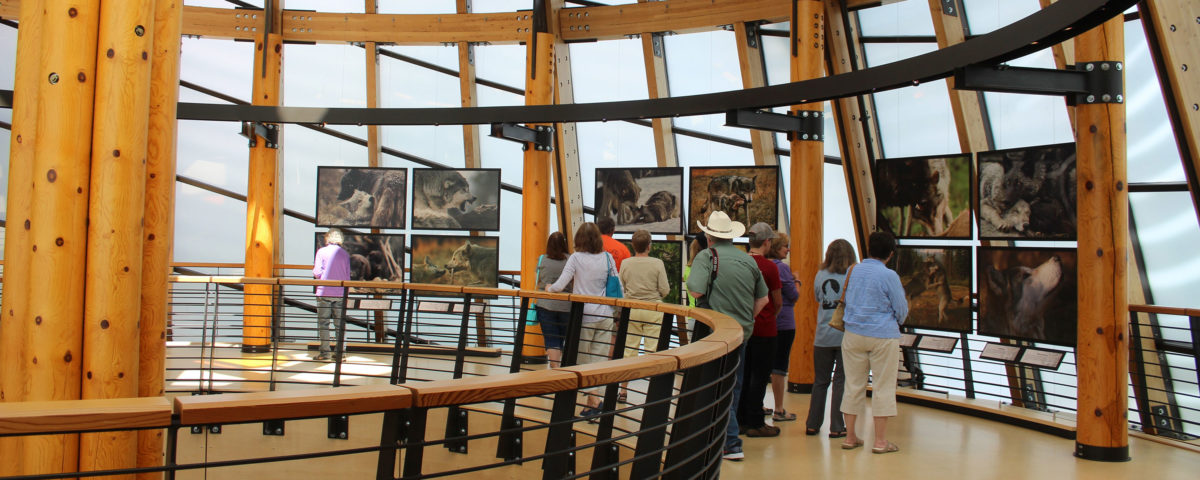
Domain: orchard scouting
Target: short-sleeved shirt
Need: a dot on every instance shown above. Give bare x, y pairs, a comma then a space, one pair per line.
617, 249
764, 322
331, 263
738, 284
827, 288
645, 278
875, 301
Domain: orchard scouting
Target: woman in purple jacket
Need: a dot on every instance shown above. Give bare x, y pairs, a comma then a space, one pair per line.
785, 323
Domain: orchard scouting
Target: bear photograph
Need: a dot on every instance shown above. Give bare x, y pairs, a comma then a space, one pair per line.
463, 199
747, 194
671, 254
455, 260
924, 197
1028, 294
1028, 193
937, 283
641, 198
373, 256
361, 197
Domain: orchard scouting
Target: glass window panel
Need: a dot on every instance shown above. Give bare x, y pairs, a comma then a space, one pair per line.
220, 65
304, 150
327, 6
326, 75
985, 16
214, 153
701, 63
494, 6
504, 64
1019, 120
901, 18
219, 3
299, 246
1166, 226
409, 6
1152, 152
214, 228
446, 57
8, 51
405, 85
612, 144
608, 71
5, 139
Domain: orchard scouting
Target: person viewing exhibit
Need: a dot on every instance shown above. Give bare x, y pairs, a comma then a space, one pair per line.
727, 280
875, 308
552, 315
644, 278
827, 342
760, 349
785, 325
331, 263
617, 249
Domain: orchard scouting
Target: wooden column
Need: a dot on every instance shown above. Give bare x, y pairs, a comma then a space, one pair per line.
1102, 353
159, 230
374, 139
654, 53
118, 185
754, 75
568, 180
535, 196
470, 97
807, 178
263, 193
967, 105
15, 321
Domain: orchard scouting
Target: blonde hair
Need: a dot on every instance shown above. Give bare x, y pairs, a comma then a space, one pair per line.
839, 256
780, 242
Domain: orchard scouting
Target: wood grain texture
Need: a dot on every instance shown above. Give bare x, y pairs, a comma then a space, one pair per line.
754, 74
308, 403
263, 192
623, 370
53, 416
1102, 352
679, 16
496, 387
535, 197
657, 86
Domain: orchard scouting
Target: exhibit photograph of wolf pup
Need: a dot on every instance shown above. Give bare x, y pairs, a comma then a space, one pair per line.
671, 254
924, 196
373, 256
1028, 294
641, 198
747, 194
455, 260
361, 197
1028, 193
461, 199
937, 282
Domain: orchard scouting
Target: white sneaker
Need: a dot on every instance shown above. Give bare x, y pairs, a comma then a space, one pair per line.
734, 456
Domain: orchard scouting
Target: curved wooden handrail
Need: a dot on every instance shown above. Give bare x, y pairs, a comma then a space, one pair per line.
1186, 312
156, 412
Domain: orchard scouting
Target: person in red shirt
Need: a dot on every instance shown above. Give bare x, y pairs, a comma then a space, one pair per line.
760, 349
617, 249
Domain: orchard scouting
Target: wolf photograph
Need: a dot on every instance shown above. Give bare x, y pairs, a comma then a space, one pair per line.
671, 254
372, 256
641, 198
361, 197
455, 260
465, 199
747, 194
1028, 294
937, 282
924, 197
1028, 193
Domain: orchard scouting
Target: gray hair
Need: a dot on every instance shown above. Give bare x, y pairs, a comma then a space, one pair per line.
334, 236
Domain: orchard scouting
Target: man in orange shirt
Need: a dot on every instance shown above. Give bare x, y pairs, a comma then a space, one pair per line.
617, 249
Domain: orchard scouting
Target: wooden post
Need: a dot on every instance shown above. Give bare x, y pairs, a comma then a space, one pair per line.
263, 192
535, 196
15, 321
654, 54
807, 178
1102, 354
468, 90
159, 230
113, 282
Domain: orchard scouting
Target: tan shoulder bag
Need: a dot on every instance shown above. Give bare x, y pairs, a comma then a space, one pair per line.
836, 322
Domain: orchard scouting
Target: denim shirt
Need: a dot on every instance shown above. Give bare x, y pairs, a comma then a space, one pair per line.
875, 301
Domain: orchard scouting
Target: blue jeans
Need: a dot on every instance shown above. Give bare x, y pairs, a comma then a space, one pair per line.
327, 307
732, 442
554, 327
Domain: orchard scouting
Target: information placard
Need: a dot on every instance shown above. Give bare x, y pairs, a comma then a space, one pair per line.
475, 308
1042, 358
1000, 352
907, 340
372, 304
937, 344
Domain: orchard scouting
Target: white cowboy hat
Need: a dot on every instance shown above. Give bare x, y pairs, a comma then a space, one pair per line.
720, 226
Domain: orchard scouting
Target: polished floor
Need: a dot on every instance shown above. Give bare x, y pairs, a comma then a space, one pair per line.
935, 444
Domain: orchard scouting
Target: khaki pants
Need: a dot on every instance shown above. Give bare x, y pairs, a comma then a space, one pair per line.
877, 356
643, 325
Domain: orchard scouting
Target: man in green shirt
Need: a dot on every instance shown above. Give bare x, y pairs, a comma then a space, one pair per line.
737, 290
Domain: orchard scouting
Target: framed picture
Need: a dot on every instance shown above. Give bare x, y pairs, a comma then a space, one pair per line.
747, 194
361, 197
937, 283
924, 197
463, 199
461, 260
641, 198
1028, 193
1028, 294
373, 256
671, 254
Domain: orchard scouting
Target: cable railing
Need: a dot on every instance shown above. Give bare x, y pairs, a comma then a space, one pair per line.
424, 381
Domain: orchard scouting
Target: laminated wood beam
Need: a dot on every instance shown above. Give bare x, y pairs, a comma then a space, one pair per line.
374, 143
678, 16
970, 118
470, 96
568, 180
1064, 55
655, 56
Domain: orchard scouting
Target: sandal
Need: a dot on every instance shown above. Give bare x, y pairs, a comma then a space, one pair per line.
811, 431
837, 434
623, 397
852, 446
783, 416
891, 447
767, 411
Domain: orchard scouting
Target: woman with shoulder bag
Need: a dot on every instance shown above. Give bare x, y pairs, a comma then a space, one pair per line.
553, 315
828, 286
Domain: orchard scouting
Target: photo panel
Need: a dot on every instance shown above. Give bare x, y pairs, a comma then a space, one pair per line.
937, 283
671, 254
357, 197
648, 199
1028, 193
747, 194
456, 199
924, 197
1028, 294
373, 256
462, 260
